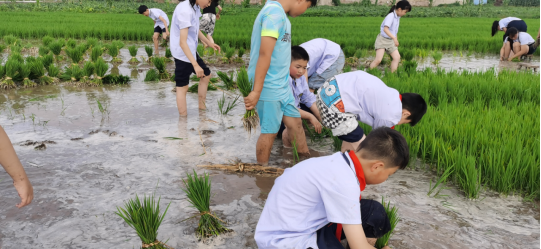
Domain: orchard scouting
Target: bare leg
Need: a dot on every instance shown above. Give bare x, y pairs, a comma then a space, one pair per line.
181, 101
263, 148
155, 39
296, 133
202, 91
351, 146
506, 50
379, 56
396, 59
516, 48
286, 141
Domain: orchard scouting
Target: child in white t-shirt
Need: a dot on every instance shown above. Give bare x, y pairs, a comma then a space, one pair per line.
184, 34
161, 24
523, 44
311, 202
326, 60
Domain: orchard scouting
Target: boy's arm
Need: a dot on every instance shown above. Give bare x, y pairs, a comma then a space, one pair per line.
388, 32
261, 68
219, 11
186, 49
165, 24
313, 120
204, 39
356, 237
12, 165
315, 111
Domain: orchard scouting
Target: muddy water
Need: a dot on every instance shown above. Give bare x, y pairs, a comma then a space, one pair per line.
471, 62
98, 161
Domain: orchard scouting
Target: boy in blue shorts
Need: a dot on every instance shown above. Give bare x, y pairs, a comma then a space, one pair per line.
319, 202
269, 63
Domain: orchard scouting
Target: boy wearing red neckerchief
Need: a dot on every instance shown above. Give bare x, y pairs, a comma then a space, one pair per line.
313, 201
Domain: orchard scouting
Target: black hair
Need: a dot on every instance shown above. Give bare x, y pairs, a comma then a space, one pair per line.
299, 53
192, 2
387, 145
403, 5
416, 105
512, 32
495, 27
142, 9
314, 2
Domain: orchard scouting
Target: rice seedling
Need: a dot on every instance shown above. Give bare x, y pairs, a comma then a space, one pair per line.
100, 68
54, 72
443, 178
43, 50
46, 40
251, 118
145, 218
164, 44
118, 44
229, 52
347, 69
159, 63
408, 55
91, 42
437, 57
149, 50
71, 43
133, 54
38, 72
30, 59
241, 52
11, 67
296, 158
228, 107
2, 47
10, 40
112, 50
392, 214
410, 66
75, 54
227, 80
360, 53
152, 75
16, 48
16, 56
25, 71
168, 53
88, 71
2, 71
96, 53
56, 48
116, 79
197, 189
73, 73
195, 88
336, 143
47, 60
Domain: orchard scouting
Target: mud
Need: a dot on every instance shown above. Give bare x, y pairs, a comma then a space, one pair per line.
101, 160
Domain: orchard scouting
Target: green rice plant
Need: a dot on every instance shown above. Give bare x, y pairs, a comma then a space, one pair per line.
197, 190
56, 48
442, 179
410, 66
116, 79
159, 63
46, 40
118, 44
133, 53
96, 53
88, 71
168, 53
145, 218
12, 68
25, 71
437, 57
47, 60
241, 52
71, 43
16, 48
53, 71
30, 59
2, 71
229, 52
152, 75
16, 56
75, 54
100, 68
149, 50
195, 88
360, 53
72, 74
336, 143
408, 55
112, 50
2, 47
347, 69
228, 107
227, 80
10, 40
251, 119
296, 158
43, 50
91, 42
38, 71
392, 214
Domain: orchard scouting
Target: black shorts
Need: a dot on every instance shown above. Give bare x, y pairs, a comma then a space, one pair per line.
532, 48
353, 136
183, 70
157, 29
374, 221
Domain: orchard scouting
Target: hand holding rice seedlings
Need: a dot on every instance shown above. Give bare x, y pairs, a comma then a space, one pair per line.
24, 71
229, 107
112, 50
38, 71
46, 40
251, 118
100, 68
152, 75
133, 54
88, 70
159, 63
197, 190
227, 80
11, 67
145, 218
392, 214
149, 50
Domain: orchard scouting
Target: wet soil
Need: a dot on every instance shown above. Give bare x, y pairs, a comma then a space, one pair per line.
98, 161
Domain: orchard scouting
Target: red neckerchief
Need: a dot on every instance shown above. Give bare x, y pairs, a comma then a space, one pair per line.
362, 182
399, 95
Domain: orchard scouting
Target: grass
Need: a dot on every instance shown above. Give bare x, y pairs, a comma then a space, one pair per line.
392, 214
145, 218
197, 189
251, 119
223, 108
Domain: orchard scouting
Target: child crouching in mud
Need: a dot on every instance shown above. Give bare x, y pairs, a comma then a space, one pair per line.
317, 202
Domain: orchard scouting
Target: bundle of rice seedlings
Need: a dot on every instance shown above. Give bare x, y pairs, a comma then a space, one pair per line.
91, 42
195, 88
10, 39
118, 44
56, 48
38, 71
97, 51
168, 53
46, 40
227, 80
88, 71
12, 68
116, 79
73, 73
229, 52
149, 50
251, 118
43, 50
408, 55
100, 68
159, 63
197, 190
16, 56
24, 71
392, 214
133, 53
71, 43
53, 72
2, 47
75, 54
16, 48
152, 75
437, 57
47, 60
145, 218
30, 59
164, 42
241, 52
2, 71
112, 50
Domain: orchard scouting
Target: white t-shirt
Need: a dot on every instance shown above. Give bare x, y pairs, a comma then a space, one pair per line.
368, 97
504, 22
392, 21
323, 53
524, 38
307, 197
155, 14
185, 16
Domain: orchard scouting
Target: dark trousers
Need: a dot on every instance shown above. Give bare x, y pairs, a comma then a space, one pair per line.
374, 220
283, 127
520, 25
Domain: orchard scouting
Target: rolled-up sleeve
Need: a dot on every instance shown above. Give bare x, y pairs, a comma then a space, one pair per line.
185, 19
388, 21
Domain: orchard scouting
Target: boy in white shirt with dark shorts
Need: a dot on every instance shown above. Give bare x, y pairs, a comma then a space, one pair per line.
161, 24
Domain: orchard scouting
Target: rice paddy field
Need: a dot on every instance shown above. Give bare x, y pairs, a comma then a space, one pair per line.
94, 122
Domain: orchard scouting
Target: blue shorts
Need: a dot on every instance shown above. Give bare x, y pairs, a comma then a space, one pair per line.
315, 81
271, 113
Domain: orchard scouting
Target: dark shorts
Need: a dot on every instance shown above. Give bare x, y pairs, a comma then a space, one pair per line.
157, 29
183, 70
520, 25
532, 48
374, 220
353, 136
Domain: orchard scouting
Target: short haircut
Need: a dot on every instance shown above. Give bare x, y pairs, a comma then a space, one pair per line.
512, 32
495, 25
416, 105
142, 9
387, 145
313, 3
299, 53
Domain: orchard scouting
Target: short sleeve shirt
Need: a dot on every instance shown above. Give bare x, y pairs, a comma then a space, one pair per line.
322, 52
307, 197
273, 22
373, 102
392, 20
302, 94
504, 22
524, 38
185, 16
155, 15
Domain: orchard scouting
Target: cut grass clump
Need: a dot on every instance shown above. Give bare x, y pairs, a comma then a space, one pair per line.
100, 68
145, 218
152, 75
159, 63
392, 214
223, 108
251, 118
197, 189
133, 54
